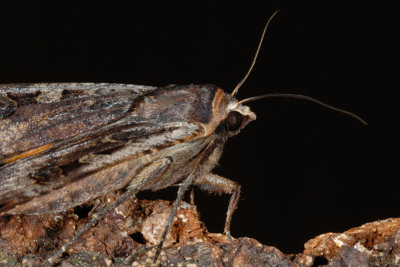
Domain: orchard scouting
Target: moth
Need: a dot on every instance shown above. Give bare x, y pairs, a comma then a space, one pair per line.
64, 144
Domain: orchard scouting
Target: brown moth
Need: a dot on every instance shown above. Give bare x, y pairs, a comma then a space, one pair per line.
64, 144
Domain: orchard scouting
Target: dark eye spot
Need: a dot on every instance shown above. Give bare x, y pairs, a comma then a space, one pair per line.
234, 121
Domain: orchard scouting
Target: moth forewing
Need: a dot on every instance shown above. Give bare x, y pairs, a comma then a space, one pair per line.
80, 154
71, 121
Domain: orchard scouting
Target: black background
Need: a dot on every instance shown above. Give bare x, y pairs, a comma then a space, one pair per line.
304, 170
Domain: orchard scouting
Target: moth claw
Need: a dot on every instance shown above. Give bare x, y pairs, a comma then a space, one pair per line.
228, 235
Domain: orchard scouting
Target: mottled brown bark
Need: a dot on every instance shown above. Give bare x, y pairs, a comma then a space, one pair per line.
129, 235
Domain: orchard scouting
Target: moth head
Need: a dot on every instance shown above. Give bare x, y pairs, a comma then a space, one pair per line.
233, 116
238, 116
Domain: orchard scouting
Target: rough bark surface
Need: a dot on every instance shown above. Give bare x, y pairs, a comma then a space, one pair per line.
128, 236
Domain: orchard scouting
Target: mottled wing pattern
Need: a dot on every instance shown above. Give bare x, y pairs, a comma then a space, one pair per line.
55, 134
34, 115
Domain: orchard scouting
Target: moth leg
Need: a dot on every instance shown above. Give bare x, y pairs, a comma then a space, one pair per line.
150, 172
198, 171
217, 184
191, 196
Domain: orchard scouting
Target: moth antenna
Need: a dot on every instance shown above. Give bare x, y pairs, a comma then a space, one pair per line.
255, 56
308, 98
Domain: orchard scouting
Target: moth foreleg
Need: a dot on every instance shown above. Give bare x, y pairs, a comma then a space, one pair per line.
147, 174
198, 171
217, 184
191, 196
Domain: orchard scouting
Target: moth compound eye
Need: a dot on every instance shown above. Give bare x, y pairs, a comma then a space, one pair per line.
234, 121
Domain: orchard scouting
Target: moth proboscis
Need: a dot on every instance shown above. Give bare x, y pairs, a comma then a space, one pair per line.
64, 144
